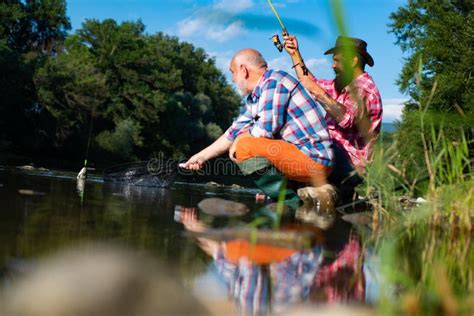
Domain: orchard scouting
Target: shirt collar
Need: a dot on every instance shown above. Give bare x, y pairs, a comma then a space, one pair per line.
257, 91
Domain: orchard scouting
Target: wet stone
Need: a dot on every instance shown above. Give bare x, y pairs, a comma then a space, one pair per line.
26, 167
213, 184
221, 207
363, 218
31, 192
273, 207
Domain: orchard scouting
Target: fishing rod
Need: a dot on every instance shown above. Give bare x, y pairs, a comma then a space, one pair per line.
278, 44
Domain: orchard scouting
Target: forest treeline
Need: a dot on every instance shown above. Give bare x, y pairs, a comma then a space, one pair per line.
437, 37
147, 94
144, 94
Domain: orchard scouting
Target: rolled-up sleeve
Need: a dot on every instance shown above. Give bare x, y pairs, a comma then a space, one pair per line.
241, 124
350, 115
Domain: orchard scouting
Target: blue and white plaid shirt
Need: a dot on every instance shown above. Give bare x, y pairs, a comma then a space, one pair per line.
280, 108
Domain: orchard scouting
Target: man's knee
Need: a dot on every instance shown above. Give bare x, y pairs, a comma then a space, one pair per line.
245, 148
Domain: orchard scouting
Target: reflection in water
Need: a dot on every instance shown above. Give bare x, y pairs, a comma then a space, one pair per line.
260, 278
263, 279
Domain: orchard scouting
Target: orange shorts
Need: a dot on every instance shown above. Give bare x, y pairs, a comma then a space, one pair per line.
286, 157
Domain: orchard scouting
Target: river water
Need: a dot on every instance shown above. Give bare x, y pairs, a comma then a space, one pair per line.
42, 212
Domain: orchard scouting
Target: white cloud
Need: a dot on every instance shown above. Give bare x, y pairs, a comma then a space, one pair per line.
188, 27
283, 62
222, 60
216, 23
222, 34
316, 62
233, 6
392, 109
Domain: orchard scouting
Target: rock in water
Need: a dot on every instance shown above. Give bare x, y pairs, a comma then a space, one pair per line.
31, 192
82, 174
221, 207
363, 218
26, 167
99, 280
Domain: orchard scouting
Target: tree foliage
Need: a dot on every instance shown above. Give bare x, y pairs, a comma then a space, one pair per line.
169, 92
438, 37
143, 93
439, 34
30, 31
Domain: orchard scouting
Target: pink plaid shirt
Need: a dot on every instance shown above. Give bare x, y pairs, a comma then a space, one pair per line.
346, 133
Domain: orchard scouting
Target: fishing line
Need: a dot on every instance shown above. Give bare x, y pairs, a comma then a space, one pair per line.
89, 139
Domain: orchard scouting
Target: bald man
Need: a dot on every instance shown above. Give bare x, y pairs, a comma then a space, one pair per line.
279, 122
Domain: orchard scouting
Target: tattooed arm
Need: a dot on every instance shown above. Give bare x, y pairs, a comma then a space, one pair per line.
334, 108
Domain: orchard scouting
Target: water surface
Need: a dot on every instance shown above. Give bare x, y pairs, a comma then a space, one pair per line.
44, 211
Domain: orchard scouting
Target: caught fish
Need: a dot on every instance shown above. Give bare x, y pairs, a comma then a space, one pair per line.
82, 175
221, 207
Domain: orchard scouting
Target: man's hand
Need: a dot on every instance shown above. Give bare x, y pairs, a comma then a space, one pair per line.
291, 44
232, 151
233, 148
194, 163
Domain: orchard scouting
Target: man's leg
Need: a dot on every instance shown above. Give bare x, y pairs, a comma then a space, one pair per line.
345, 178
286, 157
287, 160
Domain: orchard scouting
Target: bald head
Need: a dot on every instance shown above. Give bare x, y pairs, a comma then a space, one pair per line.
247, 67
250, 58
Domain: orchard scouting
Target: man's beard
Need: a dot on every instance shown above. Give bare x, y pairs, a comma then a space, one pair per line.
341, 80
241, 87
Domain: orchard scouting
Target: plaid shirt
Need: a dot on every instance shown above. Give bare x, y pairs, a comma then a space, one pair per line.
346, 134
304, 276
280, 108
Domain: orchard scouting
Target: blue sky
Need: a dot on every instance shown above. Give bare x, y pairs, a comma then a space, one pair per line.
222, 27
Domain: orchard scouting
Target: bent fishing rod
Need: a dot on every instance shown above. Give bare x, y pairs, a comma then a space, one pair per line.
278, 44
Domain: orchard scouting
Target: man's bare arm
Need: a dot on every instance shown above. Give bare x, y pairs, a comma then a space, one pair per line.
334, 108
218, 147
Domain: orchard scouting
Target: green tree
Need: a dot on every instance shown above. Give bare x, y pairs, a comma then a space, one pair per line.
30, 31
440, 34
147, 93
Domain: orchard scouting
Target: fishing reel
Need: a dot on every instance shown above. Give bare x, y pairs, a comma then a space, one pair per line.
278, 44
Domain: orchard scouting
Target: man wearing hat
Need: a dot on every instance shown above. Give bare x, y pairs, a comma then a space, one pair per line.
352, 102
